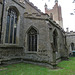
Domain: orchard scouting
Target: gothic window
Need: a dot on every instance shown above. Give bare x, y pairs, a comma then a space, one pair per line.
11, 26
55, 40
32, 40
72, 46
0, 36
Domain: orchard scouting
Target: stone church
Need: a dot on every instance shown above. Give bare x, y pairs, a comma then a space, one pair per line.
70, 39
29, 35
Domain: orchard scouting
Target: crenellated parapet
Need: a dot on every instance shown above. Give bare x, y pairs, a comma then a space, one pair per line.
71, 33
36, 15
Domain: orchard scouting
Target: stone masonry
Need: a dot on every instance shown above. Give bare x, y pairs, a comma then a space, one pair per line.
50, 42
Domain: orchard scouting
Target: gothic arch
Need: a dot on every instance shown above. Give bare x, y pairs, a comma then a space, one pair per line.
34, 28
55, 40
15, 8
72, 46
32, 39
12, 25
55, 31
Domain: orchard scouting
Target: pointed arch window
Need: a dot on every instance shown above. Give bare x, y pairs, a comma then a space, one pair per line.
55, 40
72, 46
11, 26
32, 40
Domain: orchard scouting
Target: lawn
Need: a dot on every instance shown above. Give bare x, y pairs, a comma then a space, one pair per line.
66, 68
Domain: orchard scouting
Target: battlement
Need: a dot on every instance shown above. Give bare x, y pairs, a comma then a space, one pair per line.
36, 15
70, 33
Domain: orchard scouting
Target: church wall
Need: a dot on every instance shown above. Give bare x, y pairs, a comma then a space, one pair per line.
62, 45
45, 36
60, 41
62, 50
70, 38
12, 53
43, 48
0, 12
21, 11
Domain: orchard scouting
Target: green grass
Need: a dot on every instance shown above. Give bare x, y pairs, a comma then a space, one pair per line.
67, 68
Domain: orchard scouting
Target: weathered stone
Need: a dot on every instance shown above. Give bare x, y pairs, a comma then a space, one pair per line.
30, 18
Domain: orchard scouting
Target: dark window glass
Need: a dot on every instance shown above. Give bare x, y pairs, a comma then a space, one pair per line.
11, 26
55, 40
7, 29
32, 40
15, 28
72, 46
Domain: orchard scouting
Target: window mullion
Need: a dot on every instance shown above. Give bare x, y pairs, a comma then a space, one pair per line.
31, 44
13, 30
34, 43
9, 28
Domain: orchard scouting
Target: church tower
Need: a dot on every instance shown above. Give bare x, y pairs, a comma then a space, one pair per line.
55, 13
45, 6
56, 1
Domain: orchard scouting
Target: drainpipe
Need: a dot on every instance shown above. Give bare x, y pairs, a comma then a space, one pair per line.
3, 3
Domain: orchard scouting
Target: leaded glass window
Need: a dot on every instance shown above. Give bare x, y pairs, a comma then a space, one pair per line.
55, 40
72, 46
11, 27
32, 40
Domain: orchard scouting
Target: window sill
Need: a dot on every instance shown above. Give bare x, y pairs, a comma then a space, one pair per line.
31, 52
10, 45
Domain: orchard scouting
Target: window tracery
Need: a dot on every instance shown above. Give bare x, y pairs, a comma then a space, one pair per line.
11, 26
32, 40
